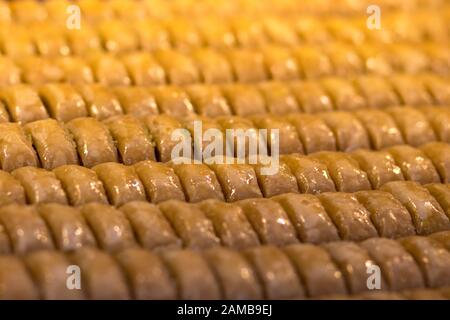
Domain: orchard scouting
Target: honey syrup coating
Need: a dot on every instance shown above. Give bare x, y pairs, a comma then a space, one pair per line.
192, 274
238, 181
151, 228
275, 272
147, 275
94, 143
350, 217
314, 134
388, 215
121, 183
283, 181
16, 281
381, 128
376, 91
345, 60
230, 224
11, 191
69, 230
439, 154
49, 271
244, 100
180, 69
16, 149
279, 98
415, 128
41, 186
308, 216
111, 229
184, 35
52, 142
432, 258
199, 182
101, 276
62, 101
101, 103
316, 269
270, 221
349, 132
398, 267
441, 192
439, 119
190, 224
131, 138
415, 165
26, 230
235, 275
80, 184
427, 215
380, 166
312, 176
310, 96
345, 171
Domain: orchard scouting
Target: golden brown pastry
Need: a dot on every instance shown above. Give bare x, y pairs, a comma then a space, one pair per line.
345, 60
237, 278
279, 98
183, 35
100, 101
441, 192
242, 137
38, 70
9, 72
151, 228
16, 281
280, 63
108, 69
136, 101
230, 224
62, 101
443, 237
172, 101
388, 215
75, 69
180, 69
410, 90
270, 221
280, 32
208, 100
83, 40
143, 69
69, 229
190, 224
438, 88
311, 221
313, 62
215, 32
439, 154
152, 35
117, 36
426, 213
272, 184
213, 66
343, 94
94, 143
244, 99
11, 191
48, 40
439, 119
311, 97
376, 91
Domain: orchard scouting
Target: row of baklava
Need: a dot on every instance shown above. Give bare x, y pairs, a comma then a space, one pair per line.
399, 209
27, 11
295, 271
211, 66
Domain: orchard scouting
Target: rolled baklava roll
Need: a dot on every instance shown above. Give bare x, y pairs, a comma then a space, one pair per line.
75, 69
117, 36
381, 128
150, 226
353, 261
16, 41
23, 103
380, 166
67, 225
441, 192
344, 170
244, 99
108, 69
110, 227
279, 98
312, 30
215, 32
312, 175
242, 137
160, 181
410, 90
280, 32
415, 165
238, 181
199, 182
94, 143
194, 278
432, 258
132, 139
272, 184
280, 63
213, 66
172, 101
11, 191
313, 62
190, 224
439, 154
275, 272
148, 277
62, 101
183, 35
249, 32
16, 150
52, 142
102, 279
345, 60
17, 283
316, 270
314, 133
83, 40
311, 96
208, 100
308, 216
415, 128
349, 132
49, 271
48, 40
376, 91
270, 221
248, 65
26, 230
101, 102
388, 215
136, 101
41, 186
343, 94
152, 35
439, 119
143, 69
180, 69
398, 267
443, 237
122, 183
37, 70
230, 224
234, 273
426, 213
438, 87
